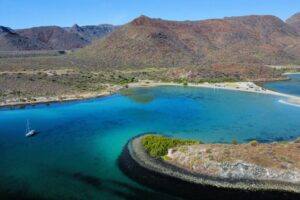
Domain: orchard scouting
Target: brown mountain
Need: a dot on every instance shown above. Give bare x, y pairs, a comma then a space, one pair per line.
12, 41
54, 37
161, 43
294, 21
58, 38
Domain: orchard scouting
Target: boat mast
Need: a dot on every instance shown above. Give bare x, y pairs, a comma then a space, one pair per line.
27, 128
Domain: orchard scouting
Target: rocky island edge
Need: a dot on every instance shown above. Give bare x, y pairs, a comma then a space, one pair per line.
167, 174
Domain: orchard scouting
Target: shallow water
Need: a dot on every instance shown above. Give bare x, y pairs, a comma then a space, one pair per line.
74, 155
289, 87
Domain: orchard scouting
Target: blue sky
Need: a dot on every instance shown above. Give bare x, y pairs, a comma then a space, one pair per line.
28, 13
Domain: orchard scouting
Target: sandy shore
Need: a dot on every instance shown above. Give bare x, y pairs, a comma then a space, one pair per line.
291, 73
46, 100
63, 98
291, 101
237, 86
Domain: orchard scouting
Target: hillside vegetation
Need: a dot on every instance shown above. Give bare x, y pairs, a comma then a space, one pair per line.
217, 50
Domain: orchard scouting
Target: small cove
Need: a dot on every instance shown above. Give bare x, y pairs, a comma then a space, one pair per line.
291, 86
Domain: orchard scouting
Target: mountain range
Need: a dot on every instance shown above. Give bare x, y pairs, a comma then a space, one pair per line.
260, 39
254, 39
51, 37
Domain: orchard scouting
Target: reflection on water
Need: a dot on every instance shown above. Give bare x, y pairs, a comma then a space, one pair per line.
139, 98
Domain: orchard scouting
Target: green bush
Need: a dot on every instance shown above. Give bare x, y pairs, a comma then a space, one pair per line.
234, 142
166, 158
157, 145
253, 143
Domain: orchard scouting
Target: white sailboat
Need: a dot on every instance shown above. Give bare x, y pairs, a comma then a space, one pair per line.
29, 132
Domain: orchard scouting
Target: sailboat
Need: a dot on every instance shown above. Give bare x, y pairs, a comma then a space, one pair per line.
29, 132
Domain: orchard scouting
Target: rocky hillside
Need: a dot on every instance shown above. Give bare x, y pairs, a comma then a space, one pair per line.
54, 37
160, 43
294, 21
10, 40
51, 37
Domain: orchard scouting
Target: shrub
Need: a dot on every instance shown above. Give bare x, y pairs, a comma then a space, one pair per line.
166, 158
253, 143
157, 145
183, 149
185, 84
210, 157
235, 142
208, 151
297, 140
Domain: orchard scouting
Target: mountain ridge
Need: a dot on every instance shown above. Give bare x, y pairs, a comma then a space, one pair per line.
145, 41
294, 21
52, 37
11, 40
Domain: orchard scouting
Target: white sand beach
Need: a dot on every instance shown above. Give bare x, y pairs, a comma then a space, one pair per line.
238, 86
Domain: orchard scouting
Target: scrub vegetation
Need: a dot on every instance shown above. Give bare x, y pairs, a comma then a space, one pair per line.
157, 145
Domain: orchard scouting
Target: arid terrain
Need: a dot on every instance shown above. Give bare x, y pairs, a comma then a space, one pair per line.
156, 42
36, 62
278, 161
275, 161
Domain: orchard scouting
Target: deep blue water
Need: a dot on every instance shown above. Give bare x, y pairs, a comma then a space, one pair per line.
289, 87
74, 156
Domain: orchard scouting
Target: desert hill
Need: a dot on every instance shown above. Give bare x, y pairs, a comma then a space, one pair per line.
161, 43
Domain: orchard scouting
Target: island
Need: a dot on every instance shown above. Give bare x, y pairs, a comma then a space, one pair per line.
193, 170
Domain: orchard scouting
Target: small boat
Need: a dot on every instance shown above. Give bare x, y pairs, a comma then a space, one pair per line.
29, 132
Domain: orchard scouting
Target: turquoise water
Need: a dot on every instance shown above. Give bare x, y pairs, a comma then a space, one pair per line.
289, 87
74, 155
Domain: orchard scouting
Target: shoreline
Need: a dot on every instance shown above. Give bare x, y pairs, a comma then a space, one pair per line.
233, 86
61, 99
193, 184
291, 73
291, 102
52, 100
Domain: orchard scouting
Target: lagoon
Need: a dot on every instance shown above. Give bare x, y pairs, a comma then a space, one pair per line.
74, 155
291, 87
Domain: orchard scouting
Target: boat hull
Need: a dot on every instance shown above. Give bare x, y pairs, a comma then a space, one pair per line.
30, 133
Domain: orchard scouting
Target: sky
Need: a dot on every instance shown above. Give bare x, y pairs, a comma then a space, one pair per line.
29, 13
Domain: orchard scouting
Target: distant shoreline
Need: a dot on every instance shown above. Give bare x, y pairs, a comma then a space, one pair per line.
51, 100
234, 86
291, 73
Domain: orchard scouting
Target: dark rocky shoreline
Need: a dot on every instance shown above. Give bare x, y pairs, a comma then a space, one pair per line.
167, 180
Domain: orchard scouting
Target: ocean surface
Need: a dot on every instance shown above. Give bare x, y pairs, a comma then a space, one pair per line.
289, 87
74, 155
